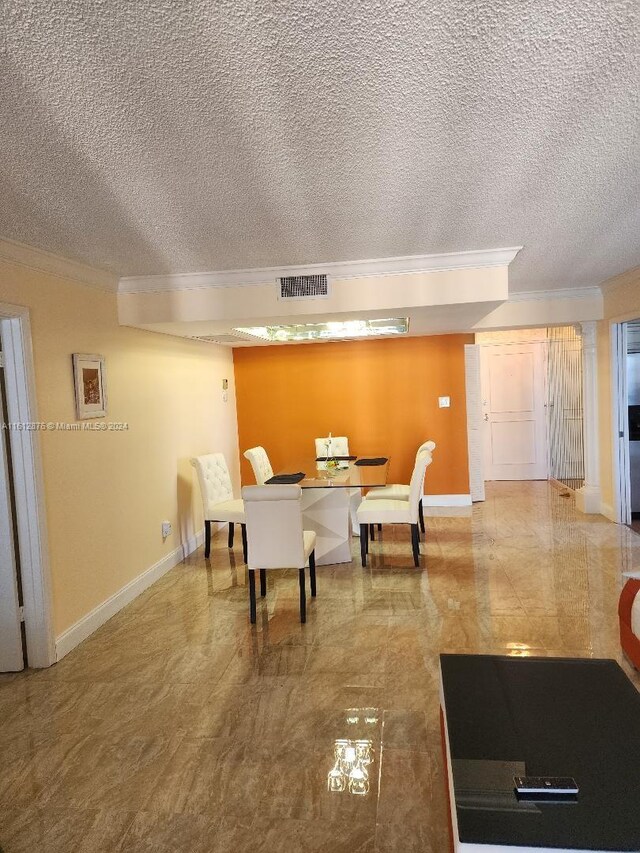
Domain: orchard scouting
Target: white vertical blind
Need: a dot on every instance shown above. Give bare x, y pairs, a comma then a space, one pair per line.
565, 405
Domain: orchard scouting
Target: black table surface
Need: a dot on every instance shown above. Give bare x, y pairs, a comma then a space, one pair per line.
543, 717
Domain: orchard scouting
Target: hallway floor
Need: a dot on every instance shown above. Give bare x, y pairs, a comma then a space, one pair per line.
179, 727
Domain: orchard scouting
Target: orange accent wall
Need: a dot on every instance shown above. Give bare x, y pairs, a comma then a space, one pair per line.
383, 395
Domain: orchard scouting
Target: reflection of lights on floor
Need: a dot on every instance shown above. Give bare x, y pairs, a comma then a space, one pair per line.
352, 759
350, 771
519, 650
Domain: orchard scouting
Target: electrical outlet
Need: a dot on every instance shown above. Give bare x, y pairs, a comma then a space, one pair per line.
444, 402
166, 529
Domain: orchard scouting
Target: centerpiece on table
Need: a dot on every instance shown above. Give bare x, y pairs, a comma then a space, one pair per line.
331, 463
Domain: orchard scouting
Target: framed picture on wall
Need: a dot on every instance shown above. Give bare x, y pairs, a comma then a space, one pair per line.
90, 385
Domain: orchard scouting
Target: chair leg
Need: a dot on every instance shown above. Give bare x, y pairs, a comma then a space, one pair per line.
252, 596
415, 544
243, 528
263, 582
364, 535
303, 597
421, 514
312, 572
372, 532
207, 538
230, 541
380, 528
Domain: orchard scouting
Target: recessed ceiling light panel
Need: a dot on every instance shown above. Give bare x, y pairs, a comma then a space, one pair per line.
331, 331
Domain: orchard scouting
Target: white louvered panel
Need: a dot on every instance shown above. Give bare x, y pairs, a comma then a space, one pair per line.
474, 420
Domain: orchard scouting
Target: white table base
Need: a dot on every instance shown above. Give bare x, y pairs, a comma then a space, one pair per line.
327, 512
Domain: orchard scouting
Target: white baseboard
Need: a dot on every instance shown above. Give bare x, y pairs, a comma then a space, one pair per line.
84, 627
446, 500
608, 512
588, 500
192, 544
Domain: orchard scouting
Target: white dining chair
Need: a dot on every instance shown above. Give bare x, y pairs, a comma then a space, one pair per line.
340, 447
259, 460
218, 501
276, 539
400, 491
394, 511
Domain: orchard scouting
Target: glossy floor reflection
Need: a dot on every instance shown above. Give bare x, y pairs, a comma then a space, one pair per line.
179, 727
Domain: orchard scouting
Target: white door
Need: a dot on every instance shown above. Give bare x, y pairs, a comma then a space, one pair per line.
513, 405
11, 658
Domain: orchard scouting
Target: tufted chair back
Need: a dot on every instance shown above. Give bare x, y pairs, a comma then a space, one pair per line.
339, 446
274, 526
214, 479
262, 469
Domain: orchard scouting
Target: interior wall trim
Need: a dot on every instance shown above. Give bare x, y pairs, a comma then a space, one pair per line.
609, 512
38, 259
479, 259
446, 500
84, 627
561, 293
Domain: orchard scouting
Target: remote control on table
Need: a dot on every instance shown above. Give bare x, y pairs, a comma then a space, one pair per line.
546, 785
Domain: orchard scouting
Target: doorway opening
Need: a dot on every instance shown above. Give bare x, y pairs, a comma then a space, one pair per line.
532, 405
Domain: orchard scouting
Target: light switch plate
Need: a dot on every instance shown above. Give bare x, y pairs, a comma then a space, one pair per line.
444, 402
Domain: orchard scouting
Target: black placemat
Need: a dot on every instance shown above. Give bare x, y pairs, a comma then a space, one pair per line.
285, 479
377, 460
338, 458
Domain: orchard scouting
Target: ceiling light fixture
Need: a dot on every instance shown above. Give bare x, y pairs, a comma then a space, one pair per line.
332, 330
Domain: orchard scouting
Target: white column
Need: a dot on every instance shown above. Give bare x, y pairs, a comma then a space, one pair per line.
474, 420
588, 497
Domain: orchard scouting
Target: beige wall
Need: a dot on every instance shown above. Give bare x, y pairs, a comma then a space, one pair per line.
621, 302
108, 492
622, 296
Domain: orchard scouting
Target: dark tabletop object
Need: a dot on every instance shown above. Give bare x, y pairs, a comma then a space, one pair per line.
543, 717
339, 458
377, 460
281, 479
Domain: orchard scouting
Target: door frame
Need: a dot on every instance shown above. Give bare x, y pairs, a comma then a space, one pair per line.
15, 332
620, 427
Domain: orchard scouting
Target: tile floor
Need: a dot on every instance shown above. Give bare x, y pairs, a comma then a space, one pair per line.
178, 727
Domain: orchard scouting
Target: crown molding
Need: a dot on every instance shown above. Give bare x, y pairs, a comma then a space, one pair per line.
38, 259
561, 293
342, 269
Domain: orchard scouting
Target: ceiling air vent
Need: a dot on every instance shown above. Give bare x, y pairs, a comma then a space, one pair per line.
303, 287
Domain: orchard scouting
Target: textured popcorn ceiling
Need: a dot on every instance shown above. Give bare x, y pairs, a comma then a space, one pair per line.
154, 136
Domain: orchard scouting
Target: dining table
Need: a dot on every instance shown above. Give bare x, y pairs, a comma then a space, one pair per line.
330, 496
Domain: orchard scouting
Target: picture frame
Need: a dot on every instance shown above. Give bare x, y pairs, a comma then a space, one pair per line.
89, 379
